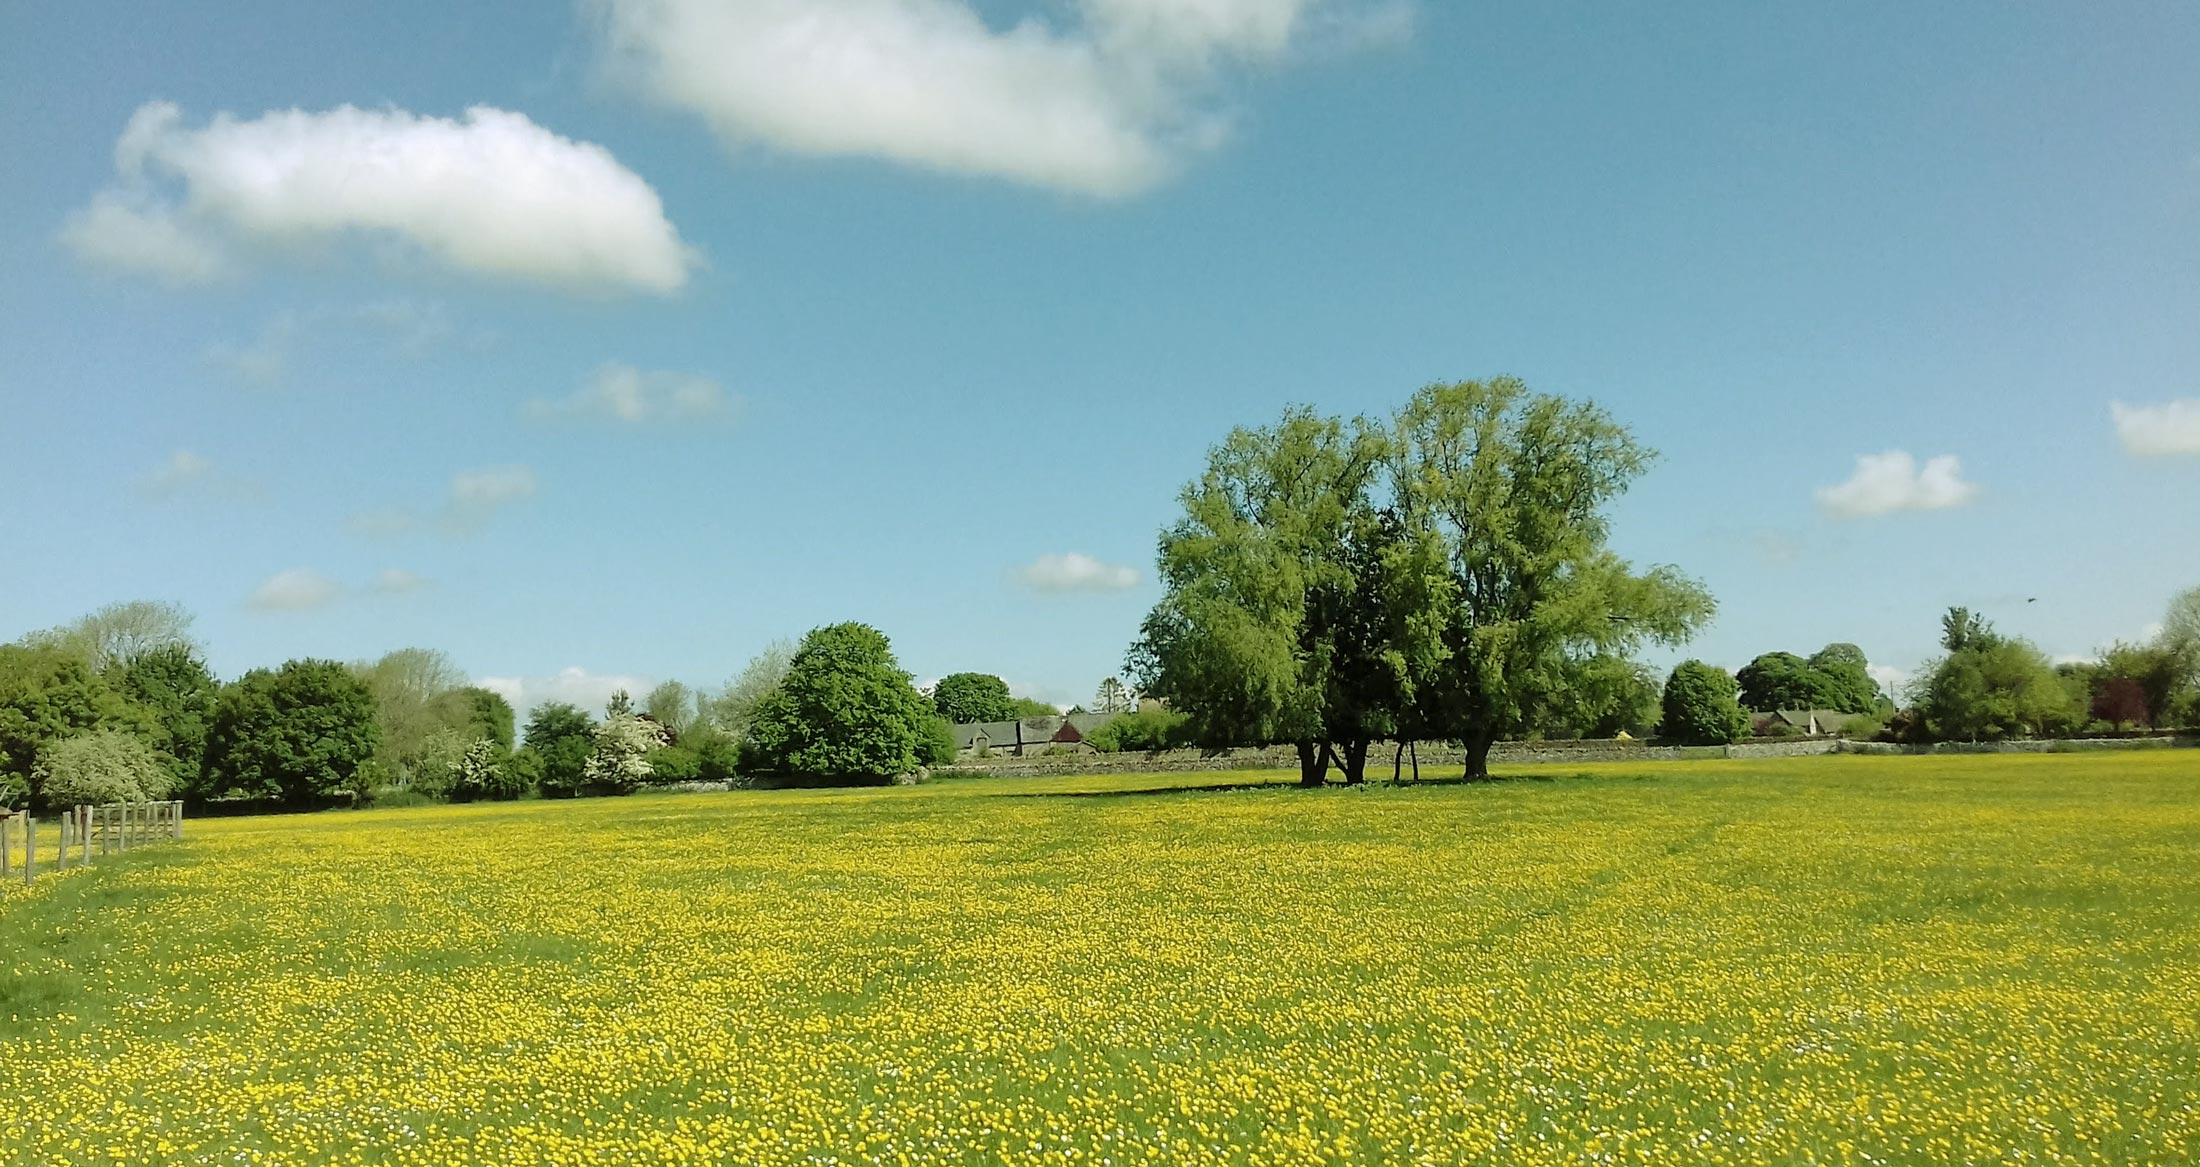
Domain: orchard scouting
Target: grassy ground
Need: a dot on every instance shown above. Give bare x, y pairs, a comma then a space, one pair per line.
1823, 960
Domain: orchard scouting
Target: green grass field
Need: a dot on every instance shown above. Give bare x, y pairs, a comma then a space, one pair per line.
1824, 960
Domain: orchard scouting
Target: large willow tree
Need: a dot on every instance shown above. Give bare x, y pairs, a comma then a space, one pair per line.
1448, 577
1528, 601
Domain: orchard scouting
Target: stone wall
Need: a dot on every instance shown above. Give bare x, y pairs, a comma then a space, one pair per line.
1435, 758
2049, 746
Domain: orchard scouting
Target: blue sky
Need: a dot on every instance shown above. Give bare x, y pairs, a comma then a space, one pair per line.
719, 322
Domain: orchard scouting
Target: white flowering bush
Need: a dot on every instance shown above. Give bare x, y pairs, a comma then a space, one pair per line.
619, 763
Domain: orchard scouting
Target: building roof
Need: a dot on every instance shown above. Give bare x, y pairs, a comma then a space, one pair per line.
1035, 731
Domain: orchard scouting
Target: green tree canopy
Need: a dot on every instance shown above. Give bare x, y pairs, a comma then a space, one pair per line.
302, 732
846, 710
963, 698
1702, 705
1996, 688
1501, 498
1846, 680
1781, 680
172, 684
1271, 625
48, 693
560, 738
482, 714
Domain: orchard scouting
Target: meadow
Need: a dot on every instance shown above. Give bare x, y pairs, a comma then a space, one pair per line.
1822, 960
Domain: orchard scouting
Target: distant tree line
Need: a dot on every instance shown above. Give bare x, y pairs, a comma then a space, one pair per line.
121, 706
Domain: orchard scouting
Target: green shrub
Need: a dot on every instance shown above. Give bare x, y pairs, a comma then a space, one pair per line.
1142, 732
675, 764
939, 743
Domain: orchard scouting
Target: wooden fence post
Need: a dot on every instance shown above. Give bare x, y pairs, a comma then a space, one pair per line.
7, 840
68, 825
30, 848
179, 820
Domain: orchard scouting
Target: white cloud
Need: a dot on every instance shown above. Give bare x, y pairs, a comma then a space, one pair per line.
119, 231
474, 497
180, 471
623, 393
2172, 427
573, 685
394, 581
1889, 678
1103, 103
186, 474
1075, 571
493, 194
1893, 481
295, 590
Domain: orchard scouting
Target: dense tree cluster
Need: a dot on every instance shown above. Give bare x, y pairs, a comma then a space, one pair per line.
1444, 574
122, 707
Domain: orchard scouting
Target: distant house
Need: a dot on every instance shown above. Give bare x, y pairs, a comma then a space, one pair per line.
1807, 722
1031, 735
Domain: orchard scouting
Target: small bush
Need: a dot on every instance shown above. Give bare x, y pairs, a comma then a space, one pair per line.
393, 797
938, 746
1142, 732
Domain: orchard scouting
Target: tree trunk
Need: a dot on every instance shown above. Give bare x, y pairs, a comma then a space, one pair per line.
1397, 764
1355, 762
1313, 764
1416, 748
1478, 754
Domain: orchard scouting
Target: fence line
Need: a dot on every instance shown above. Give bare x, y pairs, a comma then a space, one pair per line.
87, 833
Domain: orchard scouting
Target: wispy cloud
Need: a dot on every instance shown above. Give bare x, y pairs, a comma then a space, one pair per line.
492, 194
185, 474
1097, 97
407, 327
2165, 428
396, 581
1894, 481
1074, 571
623, 394
472, 499
298, 589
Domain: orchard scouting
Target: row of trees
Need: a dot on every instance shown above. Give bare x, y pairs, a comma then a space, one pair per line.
1988, 686
120, 706
1442, 574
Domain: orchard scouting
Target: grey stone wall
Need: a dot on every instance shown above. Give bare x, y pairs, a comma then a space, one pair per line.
1435, 758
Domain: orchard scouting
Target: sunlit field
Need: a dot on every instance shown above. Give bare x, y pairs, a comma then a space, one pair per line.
1825, 960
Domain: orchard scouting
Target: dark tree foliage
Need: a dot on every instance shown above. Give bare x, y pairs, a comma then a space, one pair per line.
484, 715
2121, 702
846, 711
177, 692
559, 739
1702, 705
48, 693
964, 698
300, 733
1845, 674
1781, 680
